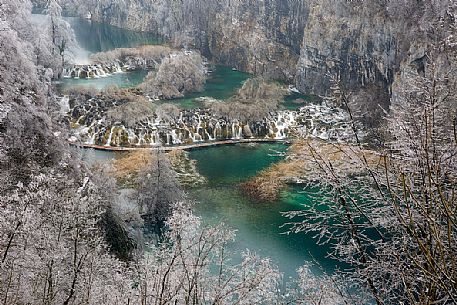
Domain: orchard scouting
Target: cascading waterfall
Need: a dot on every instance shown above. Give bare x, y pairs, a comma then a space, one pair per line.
175, 138
217, 130
198, 125
110, 137
280, 127
65, 104
210, 138
95, 70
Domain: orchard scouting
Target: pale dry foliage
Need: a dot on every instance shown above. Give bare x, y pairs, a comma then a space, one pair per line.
176, 75
147, 52
303, 160
131, 164
259, 88
136, 110
263, 188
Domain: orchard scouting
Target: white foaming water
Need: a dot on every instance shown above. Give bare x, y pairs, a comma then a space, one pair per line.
65, 104
110, 137
82, 56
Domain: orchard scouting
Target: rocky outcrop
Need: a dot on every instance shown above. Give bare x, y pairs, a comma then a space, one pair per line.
343, 42
260, 37
132, 14
364, 46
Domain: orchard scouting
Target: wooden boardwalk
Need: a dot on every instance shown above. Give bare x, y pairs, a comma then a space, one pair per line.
179, 147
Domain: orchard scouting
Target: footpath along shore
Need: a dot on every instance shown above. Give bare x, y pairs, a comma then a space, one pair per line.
179, 147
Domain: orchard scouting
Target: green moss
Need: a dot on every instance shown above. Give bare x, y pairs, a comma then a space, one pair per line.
74, 125
124, 138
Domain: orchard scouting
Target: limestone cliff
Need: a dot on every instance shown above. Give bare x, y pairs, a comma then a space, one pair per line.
132, 14
361, 43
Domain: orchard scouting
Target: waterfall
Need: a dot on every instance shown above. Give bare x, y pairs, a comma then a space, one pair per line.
324, 134
141, 139
64, 104
92, 139
217, 129
154, 139
194, 126
175, 139
237, 131
93, 71
131, 136
209, 136
240, 132
117, 68
198, 137
314, 132
270, 130
110, 137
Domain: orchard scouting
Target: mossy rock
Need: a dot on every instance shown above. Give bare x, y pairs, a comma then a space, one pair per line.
74, 125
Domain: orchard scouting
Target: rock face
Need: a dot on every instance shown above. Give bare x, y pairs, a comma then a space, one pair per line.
341, 41
260, 37
132, 14
361, 44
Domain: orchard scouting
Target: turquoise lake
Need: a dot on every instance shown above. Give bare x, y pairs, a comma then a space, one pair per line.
259, 226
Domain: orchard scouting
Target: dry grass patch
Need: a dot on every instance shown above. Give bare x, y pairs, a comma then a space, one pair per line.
127, 168
306, 158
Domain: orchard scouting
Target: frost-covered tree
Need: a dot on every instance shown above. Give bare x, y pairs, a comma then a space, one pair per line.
176, 75
60, 31
53, 251
158, 191
193, 266
394, 223
51, 247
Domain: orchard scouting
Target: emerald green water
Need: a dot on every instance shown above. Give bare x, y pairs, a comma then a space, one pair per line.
99, 37
222, 84
295, 100
259, 225
121, 80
